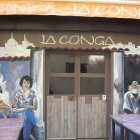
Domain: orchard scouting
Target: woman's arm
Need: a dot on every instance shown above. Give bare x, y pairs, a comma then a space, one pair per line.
14, 105
34, 106
35, 103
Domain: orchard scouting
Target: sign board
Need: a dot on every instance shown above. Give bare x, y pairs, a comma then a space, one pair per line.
66, 8
16, 43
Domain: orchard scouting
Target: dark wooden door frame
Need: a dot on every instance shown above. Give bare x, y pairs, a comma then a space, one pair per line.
108, 76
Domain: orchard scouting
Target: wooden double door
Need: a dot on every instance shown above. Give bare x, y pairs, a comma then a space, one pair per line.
77, 90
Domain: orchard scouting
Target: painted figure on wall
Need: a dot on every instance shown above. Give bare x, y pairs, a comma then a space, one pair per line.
25, 104
5, 109
132, 102
132, 99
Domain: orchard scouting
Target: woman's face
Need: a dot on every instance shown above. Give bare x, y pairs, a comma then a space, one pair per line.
26, 84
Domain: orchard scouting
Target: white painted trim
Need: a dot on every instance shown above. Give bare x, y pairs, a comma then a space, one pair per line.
102, 1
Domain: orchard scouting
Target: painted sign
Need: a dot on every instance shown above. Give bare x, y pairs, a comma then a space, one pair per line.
17, 43
78, 39
22, 41
87, 9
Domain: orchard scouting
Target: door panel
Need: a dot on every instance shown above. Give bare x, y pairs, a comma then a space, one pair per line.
93, 82
61, 117
75, 109
91, 118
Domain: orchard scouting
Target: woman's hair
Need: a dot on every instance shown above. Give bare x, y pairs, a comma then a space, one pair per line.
27, 78
0, 89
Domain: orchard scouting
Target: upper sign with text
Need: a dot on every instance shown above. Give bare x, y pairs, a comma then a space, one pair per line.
67, 8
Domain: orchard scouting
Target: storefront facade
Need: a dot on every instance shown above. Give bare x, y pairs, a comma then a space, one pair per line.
77, 64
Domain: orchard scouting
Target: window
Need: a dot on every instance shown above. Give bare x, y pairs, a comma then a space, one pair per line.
67, 73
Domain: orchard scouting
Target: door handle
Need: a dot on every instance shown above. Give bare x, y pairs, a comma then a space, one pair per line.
71, 98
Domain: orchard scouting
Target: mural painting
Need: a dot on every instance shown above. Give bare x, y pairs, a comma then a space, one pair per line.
10, 73
126, 64
24, 104
132, 99
17, 99
126, 82
132, 85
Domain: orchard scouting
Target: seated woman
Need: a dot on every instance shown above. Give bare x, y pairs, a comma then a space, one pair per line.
26, 103
5, 110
